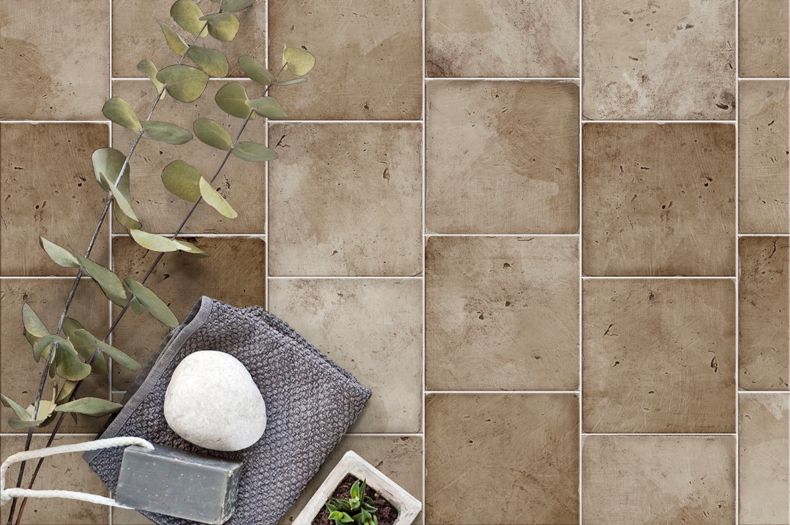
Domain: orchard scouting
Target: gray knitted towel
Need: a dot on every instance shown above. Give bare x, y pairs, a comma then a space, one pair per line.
310, 403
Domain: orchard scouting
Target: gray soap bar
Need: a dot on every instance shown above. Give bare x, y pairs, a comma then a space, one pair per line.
176, 483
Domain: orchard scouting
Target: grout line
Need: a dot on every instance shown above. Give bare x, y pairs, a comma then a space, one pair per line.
109, 225
737, 266
345, 121
581, 271
495, 392
206, 235
764, 234
266, 170
105, 122
346, 277
658, 277
39, 277
656, 121
424, 242
430, 234
758, 79
764, 392
504, 79
648, 434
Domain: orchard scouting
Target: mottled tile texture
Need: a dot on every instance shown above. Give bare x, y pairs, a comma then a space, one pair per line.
763, 48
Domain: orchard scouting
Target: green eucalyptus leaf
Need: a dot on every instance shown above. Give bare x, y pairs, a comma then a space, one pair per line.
59, 255
110, 284
43, 346
120, 199
84, 342
188, 247
254, 152
68, 364
232, 6
18, 409
90, 343
174, 40
222, 26
212, 133
232, 99
211, 61
66, 389
70, 325
215, 200
291, 82
298, 61
267, 107
155, 306
166, 132
187, 14
183, 83
122, 113
149, 69
255, 71
90, 406
109, 161
45, 409
182, 180
153, 241
33, 323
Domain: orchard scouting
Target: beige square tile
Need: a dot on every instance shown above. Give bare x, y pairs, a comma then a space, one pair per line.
67, 472
763, 160
502, 157
476, 38
762, 39
242, 183
398, 457
56, 59
658, 355
234, 272
764, 296
659, 60
136, 35
368, 57
370, 327
764, 465
658, 199
502, 313
633, 480
19, 373
502, 459
48, 187
345, 199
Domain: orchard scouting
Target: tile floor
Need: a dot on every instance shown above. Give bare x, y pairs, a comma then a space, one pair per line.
552, 236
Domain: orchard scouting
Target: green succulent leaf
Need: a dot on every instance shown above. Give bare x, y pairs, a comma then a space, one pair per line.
254, 152
85, 342
267, 107
187, 14
148, 68
34, 326
166, 132
211, 61
182, 180
232, 6
215, 200
298, 61
121, 200
122, 113
212, 133
174, 40
232, 99
183, 83
68, 364
18, 409
90, 406
109, 283
155, 306
255, 70
222, 26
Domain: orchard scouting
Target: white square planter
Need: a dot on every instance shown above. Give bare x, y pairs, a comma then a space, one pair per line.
408, 506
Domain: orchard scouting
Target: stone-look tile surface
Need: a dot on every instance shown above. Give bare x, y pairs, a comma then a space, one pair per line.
764, 463
659, 199
242, 183
476, 38
502, 157
502, 313
502, 459
136, 35
19, 373
65, 471
763, 157
763, 48
398, 457
634, 480
46, 188
658, 356
369, 57
370, 327
55, 56
345, 200
638, 64
764, 297
233, 272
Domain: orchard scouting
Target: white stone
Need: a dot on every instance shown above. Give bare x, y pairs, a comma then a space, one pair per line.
213, 402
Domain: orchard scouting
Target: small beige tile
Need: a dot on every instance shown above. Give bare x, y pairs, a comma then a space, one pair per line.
65, 472
398, 457
659, 60
764, 296
764, 467
633, 480
242, 183
56, 59
502, 313
658, 199
234, 272
763, 160
19, 373
128, 517
136, 35
346, 200
370, 327
48, 187
658, 355
476, 38
368, 53
762, 40
502, 157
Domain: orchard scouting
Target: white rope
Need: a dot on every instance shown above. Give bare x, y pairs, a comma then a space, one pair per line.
99, 444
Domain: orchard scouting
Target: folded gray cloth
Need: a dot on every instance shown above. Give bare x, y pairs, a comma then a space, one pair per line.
310, 403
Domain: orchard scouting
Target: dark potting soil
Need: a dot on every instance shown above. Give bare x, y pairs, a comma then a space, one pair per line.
386, 513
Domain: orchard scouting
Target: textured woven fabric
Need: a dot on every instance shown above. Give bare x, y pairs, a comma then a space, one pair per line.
310, 403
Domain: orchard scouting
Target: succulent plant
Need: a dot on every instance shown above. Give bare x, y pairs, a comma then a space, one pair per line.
358, 508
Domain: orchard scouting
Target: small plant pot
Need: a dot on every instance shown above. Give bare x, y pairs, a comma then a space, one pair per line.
352, 464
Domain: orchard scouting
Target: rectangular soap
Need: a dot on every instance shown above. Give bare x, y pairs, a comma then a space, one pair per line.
176, 483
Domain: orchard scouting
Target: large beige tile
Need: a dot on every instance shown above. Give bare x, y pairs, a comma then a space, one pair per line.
477, 38
370, 327
658, 199
502, 313
764, 297
659, 60
764, 172
658, 355
632, 480
368, 57
242, 183
502, 459
234, 273
502, 157
48, 189
56, 59
345, 199
762, 39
